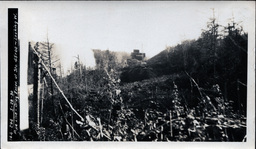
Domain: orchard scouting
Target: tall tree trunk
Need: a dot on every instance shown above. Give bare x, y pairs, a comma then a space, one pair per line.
38, 95
51, 84
33, 116
42, 102
72, 123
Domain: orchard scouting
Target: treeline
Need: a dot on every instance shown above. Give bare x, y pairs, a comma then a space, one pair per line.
218, 56
106, 59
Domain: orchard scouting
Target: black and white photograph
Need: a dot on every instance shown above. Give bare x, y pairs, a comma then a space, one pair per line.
153, 74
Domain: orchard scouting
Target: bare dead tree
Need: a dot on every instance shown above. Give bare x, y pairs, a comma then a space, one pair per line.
48, 57
213, 28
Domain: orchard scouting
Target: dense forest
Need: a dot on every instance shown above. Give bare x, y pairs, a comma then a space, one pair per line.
194, 91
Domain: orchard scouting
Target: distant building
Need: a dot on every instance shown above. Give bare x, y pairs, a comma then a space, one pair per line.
137, 58
137, 55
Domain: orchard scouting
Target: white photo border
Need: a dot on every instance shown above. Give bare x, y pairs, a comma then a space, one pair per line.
250, 143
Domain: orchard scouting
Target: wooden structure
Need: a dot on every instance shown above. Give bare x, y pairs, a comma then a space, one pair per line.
137, 55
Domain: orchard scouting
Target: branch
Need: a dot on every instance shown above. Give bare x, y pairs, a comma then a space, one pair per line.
68, 122
199, 89
241, 83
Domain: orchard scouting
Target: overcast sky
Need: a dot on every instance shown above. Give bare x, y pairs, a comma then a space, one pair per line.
77, 27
